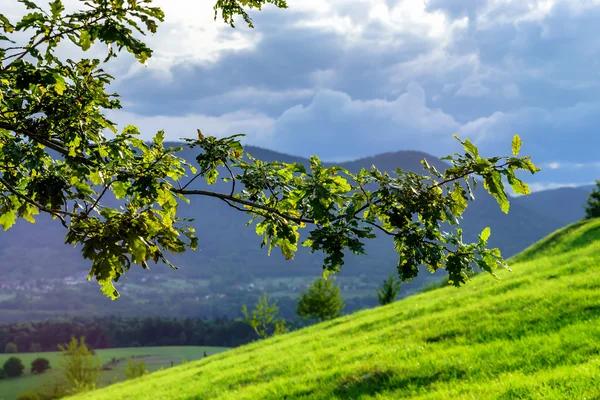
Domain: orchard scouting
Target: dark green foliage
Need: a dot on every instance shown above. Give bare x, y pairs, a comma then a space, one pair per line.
55, 159
2, 374
263, 319
40, 365
13, 367
592, 209
29, 396
135, 369
11, 348
389, 290
321, 301
110, 332
35, 348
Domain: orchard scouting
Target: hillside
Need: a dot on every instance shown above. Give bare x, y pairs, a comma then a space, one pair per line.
532, 336
218, 267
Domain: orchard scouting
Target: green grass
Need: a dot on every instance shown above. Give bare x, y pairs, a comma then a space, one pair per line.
536, 335
155, 358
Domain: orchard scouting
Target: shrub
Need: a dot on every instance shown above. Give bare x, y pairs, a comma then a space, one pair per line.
13, 367
263, 319
2, 374
28, 396
592, 209
322, 301
135, 370
11, 348
79, 367
389, 290
40, 365
35, 348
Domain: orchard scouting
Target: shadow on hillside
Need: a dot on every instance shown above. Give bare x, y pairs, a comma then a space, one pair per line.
378, 381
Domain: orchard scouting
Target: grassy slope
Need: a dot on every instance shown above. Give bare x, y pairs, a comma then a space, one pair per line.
159, 357
535, 335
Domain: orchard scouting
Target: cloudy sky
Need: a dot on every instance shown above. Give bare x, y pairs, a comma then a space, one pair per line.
353, 78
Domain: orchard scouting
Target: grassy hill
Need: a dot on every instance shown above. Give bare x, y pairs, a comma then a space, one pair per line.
535, 335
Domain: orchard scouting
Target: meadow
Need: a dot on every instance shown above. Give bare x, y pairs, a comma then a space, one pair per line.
532, 336
155, 358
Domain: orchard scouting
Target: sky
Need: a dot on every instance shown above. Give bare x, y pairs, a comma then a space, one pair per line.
345, 79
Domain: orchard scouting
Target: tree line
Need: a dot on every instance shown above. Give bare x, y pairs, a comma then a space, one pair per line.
115, 332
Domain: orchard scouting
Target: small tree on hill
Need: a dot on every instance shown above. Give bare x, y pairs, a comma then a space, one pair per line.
135, 369
389, 290
322, 301
79, 367
592, 209
40, 365
13, 367
263, 319
11, 348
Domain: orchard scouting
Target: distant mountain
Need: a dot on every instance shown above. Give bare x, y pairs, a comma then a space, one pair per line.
229, 249
564, 204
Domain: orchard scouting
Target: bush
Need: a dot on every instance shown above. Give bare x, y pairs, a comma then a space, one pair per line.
592, 209
389, 290
35, 348
322, 301
28, 396
40, 365
11, 348
79, 367
2, 374
13, 367
135, 370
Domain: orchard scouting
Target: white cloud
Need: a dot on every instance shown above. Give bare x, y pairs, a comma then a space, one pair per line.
258, 128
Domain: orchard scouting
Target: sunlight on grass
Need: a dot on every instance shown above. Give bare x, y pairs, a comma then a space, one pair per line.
534, 335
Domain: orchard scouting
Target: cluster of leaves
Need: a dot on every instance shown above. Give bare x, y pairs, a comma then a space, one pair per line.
592, 208
230, 8
321, 301
263, 318
118, 196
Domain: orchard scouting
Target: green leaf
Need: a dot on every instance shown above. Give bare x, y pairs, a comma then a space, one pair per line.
109, 289
59, 84
516, 145
85, 40
484, 236
8, 219
471, 148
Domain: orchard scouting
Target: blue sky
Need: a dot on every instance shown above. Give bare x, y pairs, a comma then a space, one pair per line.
352, 78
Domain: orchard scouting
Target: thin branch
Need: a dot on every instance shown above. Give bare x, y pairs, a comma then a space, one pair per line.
98, 199
58, 213
233, 199
51, 144
232, 179
376, 226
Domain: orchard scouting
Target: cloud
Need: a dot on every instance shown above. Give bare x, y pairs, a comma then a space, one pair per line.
258, 128
338, 126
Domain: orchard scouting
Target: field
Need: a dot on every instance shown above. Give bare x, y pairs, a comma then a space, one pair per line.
535, 335
155, 358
